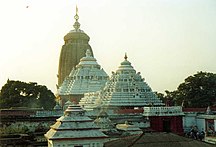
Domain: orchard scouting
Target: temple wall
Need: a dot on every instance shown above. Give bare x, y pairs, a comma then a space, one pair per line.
193, 119
189, 120
200, 124
76, 143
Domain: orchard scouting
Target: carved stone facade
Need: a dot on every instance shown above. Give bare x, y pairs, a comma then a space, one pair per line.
88, 76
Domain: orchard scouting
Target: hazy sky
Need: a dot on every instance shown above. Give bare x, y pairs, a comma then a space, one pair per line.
165, 40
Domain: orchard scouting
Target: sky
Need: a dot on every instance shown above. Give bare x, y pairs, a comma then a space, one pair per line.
165, 40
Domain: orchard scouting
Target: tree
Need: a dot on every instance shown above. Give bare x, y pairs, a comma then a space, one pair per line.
21, 94
198, 90
168, 98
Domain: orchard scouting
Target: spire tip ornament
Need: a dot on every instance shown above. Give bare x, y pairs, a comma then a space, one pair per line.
125, 57
76, 17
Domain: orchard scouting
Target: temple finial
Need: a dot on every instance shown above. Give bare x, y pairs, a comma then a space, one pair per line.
76, 10
88, 53
125, 57
76, 17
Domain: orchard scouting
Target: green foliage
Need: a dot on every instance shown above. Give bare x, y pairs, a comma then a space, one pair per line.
198, 90
161, 96
21, 94
168, 98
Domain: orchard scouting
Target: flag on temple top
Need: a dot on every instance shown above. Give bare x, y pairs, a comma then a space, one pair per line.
76, 9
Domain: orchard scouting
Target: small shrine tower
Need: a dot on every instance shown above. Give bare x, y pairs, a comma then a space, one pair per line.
76, 130
88, 76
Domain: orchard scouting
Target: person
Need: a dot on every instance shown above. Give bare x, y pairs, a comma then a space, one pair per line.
192, 132
196, 132
201, 135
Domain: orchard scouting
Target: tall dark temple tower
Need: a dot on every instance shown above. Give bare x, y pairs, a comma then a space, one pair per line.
74, 48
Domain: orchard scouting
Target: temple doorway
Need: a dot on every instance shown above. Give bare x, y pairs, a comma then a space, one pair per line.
166, 125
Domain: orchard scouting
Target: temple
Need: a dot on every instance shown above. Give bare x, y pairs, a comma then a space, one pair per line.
87, 76
75, 129
120, 110
74, 48
125, 89
120, 105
